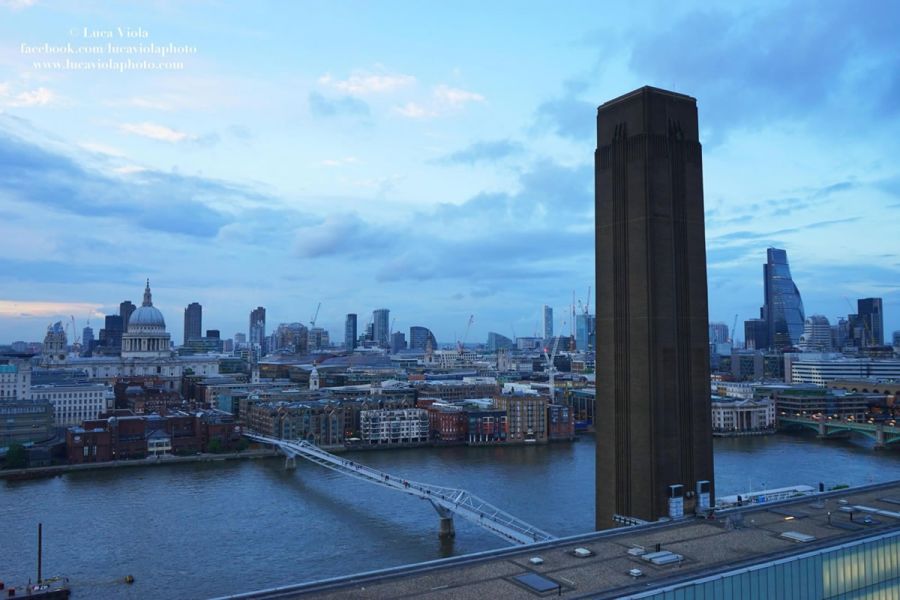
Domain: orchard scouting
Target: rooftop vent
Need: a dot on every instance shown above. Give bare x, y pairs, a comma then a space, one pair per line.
536, 583
796, 536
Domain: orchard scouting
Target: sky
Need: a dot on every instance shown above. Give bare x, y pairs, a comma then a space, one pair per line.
432, 158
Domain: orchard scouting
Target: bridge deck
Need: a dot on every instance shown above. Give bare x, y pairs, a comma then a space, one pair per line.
447, 501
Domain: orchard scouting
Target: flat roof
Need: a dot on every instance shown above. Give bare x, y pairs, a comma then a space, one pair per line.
735, 538
647, 88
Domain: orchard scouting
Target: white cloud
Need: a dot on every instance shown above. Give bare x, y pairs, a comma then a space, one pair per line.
339, 162
128, 169
444, 100
412, 110
102, 149
39, 308
37, 97
455, 96
156, 132
17, 4
361, 83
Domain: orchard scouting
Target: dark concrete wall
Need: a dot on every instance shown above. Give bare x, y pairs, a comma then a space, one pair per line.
653, 417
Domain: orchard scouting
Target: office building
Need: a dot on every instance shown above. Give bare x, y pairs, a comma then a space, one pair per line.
258, 328
840, 333
718, 333
419, 337
24, 421
585, 331
654, 432
783, 309
193, 320
816, 335
87, 341
318, 339
821, 369
381, 327
110, 343
126, 309
398, 342
871, 320
496, 341
350, 332
548, 322
756, 334
290, 337
15, 380
74, 402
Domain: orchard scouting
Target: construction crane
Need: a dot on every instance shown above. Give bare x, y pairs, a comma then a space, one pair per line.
551, 367
315, 316
572, 323
461, 345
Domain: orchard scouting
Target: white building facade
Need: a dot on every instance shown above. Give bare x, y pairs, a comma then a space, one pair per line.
73, 403
742, 417
403, 426
819, 371
15, 381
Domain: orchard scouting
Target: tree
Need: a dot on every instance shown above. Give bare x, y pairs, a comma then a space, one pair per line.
16, 456
214, 446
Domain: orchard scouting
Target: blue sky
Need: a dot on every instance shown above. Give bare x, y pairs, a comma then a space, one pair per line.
433, 158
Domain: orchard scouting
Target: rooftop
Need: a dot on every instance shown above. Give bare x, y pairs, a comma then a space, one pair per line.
736, 538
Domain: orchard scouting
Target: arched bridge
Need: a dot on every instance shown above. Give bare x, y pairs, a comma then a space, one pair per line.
883, 433
446, 501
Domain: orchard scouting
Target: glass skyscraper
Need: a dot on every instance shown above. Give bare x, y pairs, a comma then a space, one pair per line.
783, 310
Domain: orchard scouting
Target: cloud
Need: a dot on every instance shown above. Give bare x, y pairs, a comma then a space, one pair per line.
38, 308
322, 106
568, 116
17, 4
341, 235
338, 162
156, 132
37, 97
165, 202
412, 110
487, 151
444, 100
794, 61
362, 83
102, 149
490, 237
455, 96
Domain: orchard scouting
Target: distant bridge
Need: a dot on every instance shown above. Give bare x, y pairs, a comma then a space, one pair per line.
882, 433
446, 501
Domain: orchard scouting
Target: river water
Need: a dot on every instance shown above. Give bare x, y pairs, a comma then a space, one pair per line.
210, 529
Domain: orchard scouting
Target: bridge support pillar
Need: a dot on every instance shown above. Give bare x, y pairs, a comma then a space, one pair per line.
290, 462
879, 436
447, 532
822, 431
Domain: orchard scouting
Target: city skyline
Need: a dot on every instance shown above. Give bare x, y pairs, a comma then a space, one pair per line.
362, 171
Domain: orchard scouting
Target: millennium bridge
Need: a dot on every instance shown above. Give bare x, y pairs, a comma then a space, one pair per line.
883, 433
446, 501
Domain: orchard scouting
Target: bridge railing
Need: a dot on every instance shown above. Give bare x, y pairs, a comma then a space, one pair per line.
446, 500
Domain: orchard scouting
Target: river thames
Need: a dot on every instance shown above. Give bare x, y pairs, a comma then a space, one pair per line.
210, 529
